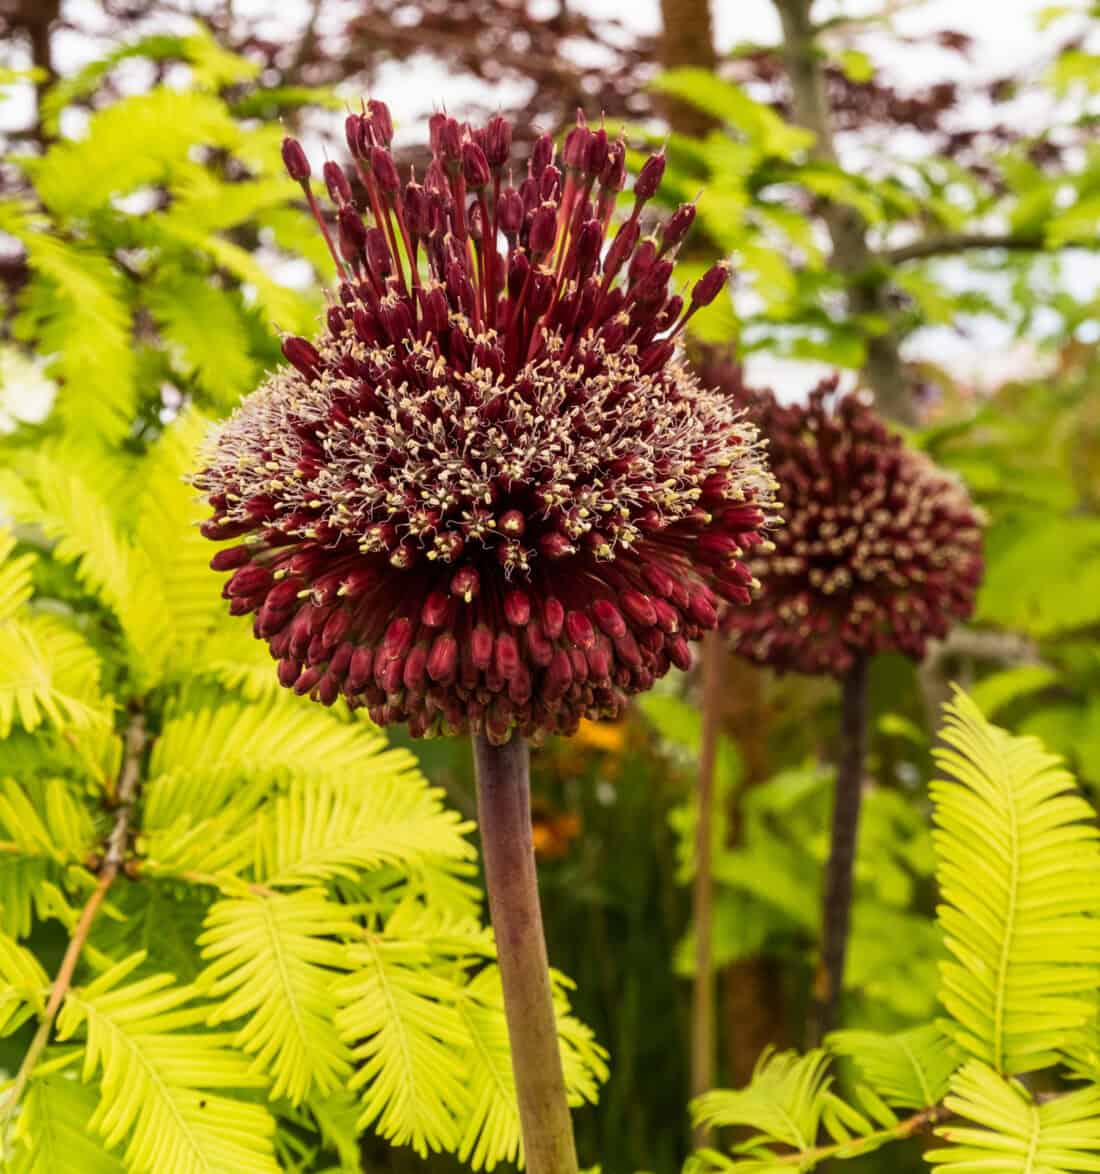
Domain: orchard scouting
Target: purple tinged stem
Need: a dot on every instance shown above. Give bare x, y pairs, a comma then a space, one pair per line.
504, 817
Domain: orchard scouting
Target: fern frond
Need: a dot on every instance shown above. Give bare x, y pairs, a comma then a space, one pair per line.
401, 1020
48, 673
204, 756
274, 960
784, 1102
143, 141
62, 832
1012, 1134
322, 831
157, 1077
77, 311
52, 1135
1019, 872
23, 984
281, 307
908, 1069
15, 577
204, 327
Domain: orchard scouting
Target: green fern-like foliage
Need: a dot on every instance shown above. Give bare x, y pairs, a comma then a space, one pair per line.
293, 950
1018, 862
132, 237
1019, 872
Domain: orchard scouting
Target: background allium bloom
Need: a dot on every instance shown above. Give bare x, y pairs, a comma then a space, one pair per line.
881, 550
489, 496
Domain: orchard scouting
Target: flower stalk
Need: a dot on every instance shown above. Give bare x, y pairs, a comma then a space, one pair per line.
504, 817
703, 1043
836, 921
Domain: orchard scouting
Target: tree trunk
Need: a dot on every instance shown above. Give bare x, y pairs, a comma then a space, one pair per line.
852, 257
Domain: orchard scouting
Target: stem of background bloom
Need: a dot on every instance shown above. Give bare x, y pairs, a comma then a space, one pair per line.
838, 874
113, 858
504, 817
703, 1043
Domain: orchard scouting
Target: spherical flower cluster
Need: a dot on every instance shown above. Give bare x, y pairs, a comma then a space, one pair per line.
881, 550
489, 497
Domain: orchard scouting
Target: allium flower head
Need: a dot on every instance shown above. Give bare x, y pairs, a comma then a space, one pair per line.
881, 550
489, 496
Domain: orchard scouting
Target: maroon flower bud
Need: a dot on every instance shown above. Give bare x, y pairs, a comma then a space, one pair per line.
384, 171
677, 226
339, 190
295, 161
510, 212
575, 152
649, 178
498, 141
544, 230
354, 134
596, 153
381, 123
303, 355
542, 156
589, 240
710, 285
475, 167
353, 232
613, 175
450, 140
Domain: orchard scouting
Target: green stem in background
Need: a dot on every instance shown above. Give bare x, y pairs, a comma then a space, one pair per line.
703, 1043
504, 817
842, 851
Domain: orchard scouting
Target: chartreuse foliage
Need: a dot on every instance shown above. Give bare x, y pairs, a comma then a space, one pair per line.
1018, 865
134, 239
293, 952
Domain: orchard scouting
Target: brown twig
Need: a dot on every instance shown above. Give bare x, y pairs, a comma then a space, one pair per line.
113, 858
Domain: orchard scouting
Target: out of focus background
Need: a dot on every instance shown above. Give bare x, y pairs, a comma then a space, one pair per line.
907, 192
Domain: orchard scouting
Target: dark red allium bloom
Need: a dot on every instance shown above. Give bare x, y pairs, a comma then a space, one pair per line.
880, 551
489, 496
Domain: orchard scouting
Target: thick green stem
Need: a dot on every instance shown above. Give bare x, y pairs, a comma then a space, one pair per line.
702, 1001
842, 851
504, 816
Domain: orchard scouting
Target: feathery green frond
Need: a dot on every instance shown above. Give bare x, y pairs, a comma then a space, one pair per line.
399, 1015
52, 1134
15, 577
77, 311
206, 332
797, 1121
65, 502
158, 1078
48, 673
146, 140
325, 830
1019, 873
908, 1069
1012, 1134
23, 984
785, 1101
205, 755
55, 827
274, 960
